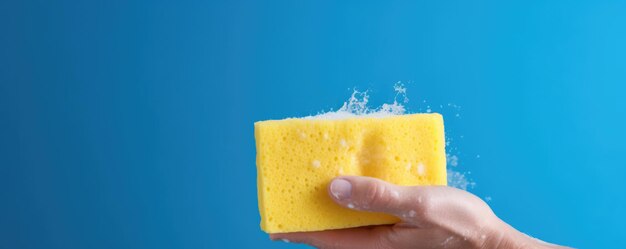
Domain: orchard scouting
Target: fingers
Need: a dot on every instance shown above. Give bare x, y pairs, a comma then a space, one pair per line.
371, 194
360, 237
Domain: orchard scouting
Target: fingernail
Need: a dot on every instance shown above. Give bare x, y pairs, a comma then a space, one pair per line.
341, 189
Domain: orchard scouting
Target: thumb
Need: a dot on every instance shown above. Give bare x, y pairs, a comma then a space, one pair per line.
370, 194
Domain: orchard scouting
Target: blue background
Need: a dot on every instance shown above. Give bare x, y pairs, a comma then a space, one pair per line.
129, 124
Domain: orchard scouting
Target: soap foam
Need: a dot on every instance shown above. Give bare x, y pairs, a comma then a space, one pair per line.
420, 169
459, 180
316, 164
356, 106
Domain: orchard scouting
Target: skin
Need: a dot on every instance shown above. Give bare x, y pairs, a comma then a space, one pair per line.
431, 217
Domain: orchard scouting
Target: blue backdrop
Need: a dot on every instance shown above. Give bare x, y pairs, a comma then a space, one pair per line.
129, 124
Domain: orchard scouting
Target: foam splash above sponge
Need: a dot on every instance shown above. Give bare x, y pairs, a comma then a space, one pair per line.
356, 107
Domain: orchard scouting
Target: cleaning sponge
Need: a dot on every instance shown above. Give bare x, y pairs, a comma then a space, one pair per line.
297, 159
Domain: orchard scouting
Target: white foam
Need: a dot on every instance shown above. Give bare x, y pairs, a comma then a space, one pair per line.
452, 160
412, 213
448, 240
356, 107
459, 180
343, 143
316, 163
420, 169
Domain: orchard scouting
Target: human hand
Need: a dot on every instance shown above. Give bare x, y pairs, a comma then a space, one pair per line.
431, 217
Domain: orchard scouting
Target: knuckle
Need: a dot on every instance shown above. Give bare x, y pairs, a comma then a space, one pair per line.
426, 208
377, 195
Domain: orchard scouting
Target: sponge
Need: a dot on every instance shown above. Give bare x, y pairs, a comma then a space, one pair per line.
297, 159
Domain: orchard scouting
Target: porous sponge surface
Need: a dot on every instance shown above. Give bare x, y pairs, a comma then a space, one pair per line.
297, 159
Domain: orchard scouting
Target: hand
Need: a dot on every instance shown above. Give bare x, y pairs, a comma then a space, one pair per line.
431, 217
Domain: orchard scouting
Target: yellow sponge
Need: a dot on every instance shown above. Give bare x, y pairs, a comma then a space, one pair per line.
297, 158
